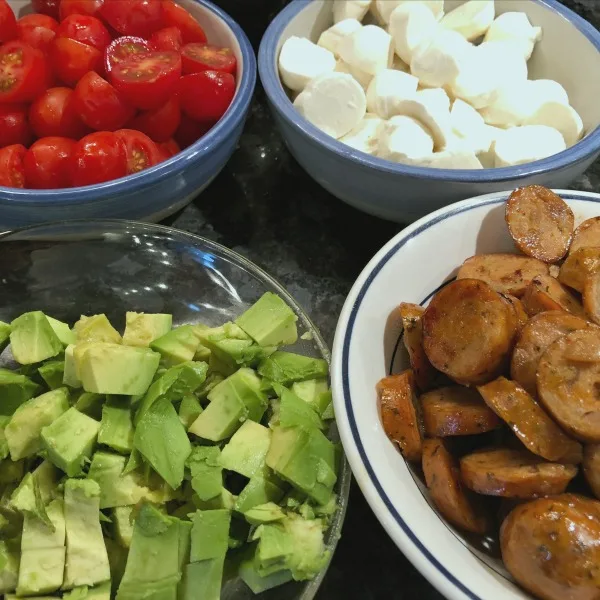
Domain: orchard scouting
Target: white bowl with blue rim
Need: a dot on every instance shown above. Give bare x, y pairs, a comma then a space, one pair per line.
411, 267
569, 52
158, 192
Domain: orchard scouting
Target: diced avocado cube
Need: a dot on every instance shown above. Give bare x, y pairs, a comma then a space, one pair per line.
115, 369
141, 328
36, 490
258, 583
202, 353
24, 429
4, 335
116, 427
264, 513
246, 450
122, 517
224, 500
189, 410
70, 440
203, 579
52, 372
162, 440
14, 390
90, 404
70, 375
287, 367
32, 338
206, 470
259, 490
62, 331
96, 328
87, 559
244, 385
177, 346
270, 321
220, 419
9, 566
314, 392
274, 545
309, 555
293, 411
210, 533
212, 380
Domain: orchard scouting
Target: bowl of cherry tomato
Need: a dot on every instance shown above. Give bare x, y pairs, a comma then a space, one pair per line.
116, 108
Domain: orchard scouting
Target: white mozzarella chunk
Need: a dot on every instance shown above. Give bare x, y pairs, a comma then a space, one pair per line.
411, 24
452, 158
514, 27
300, 61
369, 49
520, 145
350, 9
385, 8
469, 127
471, 19
549, 89
363, 78
388, 88
365, 136
331, 38
403, 138
335, 103
560, 116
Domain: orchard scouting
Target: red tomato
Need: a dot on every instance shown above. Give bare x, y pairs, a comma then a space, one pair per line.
190, 131
122, 48
47, 163
14, 126
141, 151
12, 173
79, 7
174, 15
98, 157
147, 80
99, 105
71, 59
46, 7
8, 23
206, 96
204, 57
24, 72
133, 17
169, 148
159, 124
168, 38
85, 29
37, 30
54, 114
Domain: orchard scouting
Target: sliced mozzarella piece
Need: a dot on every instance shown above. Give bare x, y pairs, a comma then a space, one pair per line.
471, 19
403, 138
452, 158
331, 38
470, 128
363, 78
388, 88
385, 8
369, 49
549, 89
365, 136
335, 103
560, 116
436, 98
514, 27
350, 9
300, 61
411, 24
521, 145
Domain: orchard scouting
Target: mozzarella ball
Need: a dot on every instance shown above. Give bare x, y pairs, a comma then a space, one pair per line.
365, 136
385, 8
560, 116
403, 138
516, 28
388, 88
364, 79
411, 24
331, 38
369, 49
469, 127
350, 9
520, 145
471, 19
300, 61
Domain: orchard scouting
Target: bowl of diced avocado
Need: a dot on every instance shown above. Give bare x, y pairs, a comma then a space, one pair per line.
166, 425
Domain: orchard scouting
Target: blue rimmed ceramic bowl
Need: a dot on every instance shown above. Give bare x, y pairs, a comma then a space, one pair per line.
155, 193
569, 53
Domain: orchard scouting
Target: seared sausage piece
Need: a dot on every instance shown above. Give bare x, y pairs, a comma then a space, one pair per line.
456, 410
586, 235
398, 401
551, 546
591, 296
591, 467
540, 222
468, 331
546, 293
505, 273
521, 315
514, 473
530, 423
578, 265
569, 389
442, 476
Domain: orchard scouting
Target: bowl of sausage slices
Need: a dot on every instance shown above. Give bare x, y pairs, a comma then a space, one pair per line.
466, 378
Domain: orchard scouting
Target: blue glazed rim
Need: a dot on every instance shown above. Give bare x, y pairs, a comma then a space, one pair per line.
267, 68
178, 163
341, 365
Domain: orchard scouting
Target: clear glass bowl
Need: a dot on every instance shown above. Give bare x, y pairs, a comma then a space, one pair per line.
86, 267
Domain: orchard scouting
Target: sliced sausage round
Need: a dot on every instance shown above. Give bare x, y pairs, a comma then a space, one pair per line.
521, 315
578, 265
591, 296
546, 293
586, 235
591, 467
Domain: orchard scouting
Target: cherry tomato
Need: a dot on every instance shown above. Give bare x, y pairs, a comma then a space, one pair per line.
147, 80
176, 16
71, 59
37, 30
85, 29
190, 131
46, 7
161, 123
168, 38
98, 157
8, 23
53, 114
204, 57
206, 96
47, 163
122, 48
12, 173
169, 148
79, 7
24, 72
141, 151
133, 17
14, 126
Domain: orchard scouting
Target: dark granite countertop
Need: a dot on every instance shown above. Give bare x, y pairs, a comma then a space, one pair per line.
264, 206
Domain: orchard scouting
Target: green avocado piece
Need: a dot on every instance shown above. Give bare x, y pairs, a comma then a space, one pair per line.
4, 335
90, 404
70, 440
83, 592
52, 372
185, 543
206, 470
264, 513
96, 328
258, 583
261, 488
245, 385
286, 367
36, 490
314, 392
328, 414
293, 411
70, 375
141, 329
274, 546
14, 390
32, 338
203, 579
224, 500
116, 427
177, 346
62, 331
212, 380
309, 554
246, 450
210, 534
122, 517
25, 426
189, 410
9, 566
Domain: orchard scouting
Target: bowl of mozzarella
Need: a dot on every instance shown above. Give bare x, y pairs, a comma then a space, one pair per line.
401, 107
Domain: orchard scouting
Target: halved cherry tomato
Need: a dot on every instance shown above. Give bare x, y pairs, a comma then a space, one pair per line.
147, 80
14, 125
204, 57
53, 114
133, 17
177, 16
168, 38
71, 59
85, 29
79, 7
206, 96
98, 157
8, 23
169, 148
37, 30
189, 131
24, 72
47, 163
122, 48
99, 105
12, 172
161, 123
141, 151
46, 7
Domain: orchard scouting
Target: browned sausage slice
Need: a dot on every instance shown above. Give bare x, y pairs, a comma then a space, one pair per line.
456, 410
591, 467
514, 474
568, 389
584, 350
538, 432
551, 547
539, 332
468, 331
521, 317
586, 235
578, 265
505, 273
546, 293
540, 222
442, 476
398, 401
591, 296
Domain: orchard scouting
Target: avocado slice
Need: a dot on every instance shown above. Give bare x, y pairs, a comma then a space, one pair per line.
245, 385
210, 534
286, 367
90, 404
246, 450
9, 566
314, 392
262, 488
62, 331
15, 389
293, 411
36, 490
32, 338
96, 328
203, 580
141, 329
206, 471
116, 427
4, 335
189, 410
52, 372
264, 513
248, 572
177, 346
122, 517
70, 375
